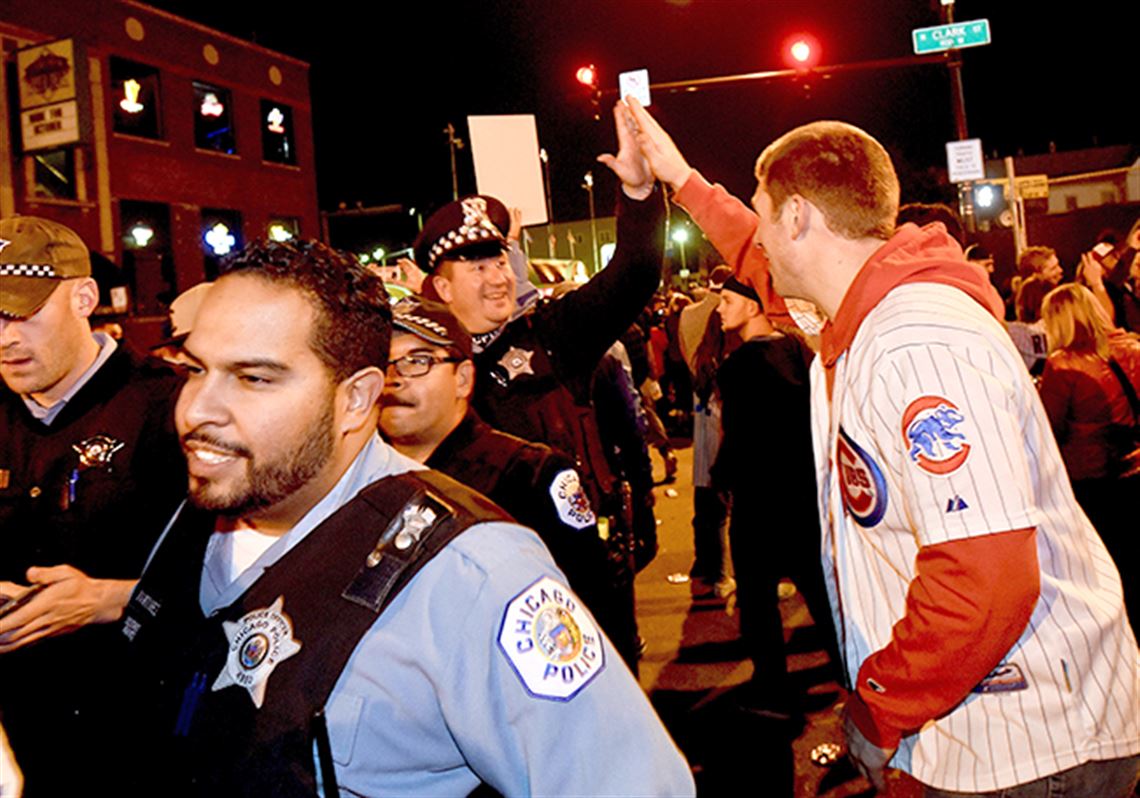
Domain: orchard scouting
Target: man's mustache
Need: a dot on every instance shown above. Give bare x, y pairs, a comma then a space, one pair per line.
216, 443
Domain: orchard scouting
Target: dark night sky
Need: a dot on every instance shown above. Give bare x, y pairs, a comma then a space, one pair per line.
386, 79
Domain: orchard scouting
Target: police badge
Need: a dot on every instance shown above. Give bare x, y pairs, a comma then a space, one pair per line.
97, 451
259, 641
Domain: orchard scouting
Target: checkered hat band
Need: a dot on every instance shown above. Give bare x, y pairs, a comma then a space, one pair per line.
27, 270
458, 239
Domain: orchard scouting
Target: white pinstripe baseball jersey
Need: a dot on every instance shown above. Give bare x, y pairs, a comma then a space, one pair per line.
934, 433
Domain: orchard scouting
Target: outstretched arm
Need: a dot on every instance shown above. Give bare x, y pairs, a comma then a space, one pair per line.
729, 224
586, 322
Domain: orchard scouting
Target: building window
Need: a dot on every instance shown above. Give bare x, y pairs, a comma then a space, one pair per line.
213, 119
277, 133
283, 228
147, 258
134, 89
221, 236
53, 174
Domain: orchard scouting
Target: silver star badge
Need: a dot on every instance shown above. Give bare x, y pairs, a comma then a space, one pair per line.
517, 361
259, 641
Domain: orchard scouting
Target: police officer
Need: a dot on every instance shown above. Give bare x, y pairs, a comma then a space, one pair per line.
535, 370
426, 414
89, 465
324, 612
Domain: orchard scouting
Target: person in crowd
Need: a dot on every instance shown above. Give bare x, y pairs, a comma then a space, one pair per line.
89, 468
324, 614
976, 253
535, 370
923, 213
1089, 390
960, 568
766, 409
426, 415
711, 570
1028, 331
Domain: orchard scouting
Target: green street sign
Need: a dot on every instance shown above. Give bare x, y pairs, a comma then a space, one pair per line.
951, 37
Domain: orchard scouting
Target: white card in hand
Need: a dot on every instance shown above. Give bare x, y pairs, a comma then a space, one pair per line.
635, 83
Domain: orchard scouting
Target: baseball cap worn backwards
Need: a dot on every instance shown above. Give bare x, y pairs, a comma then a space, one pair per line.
466, 229
433, 323
36, 255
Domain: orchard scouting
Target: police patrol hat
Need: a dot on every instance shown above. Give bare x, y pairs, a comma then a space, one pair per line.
433, 323
36, 255
466, 229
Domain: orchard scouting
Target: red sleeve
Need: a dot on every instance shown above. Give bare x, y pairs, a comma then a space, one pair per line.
968, 604
730, 225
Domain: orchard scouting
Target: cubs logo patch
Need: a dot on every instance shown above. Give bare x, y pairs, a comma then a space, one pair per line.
570, 500
928, 428
550, 641
259, 641
861, 482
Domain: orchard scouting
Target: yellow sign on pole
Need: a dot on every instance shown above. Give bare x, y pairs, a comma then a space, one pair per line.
1033, 186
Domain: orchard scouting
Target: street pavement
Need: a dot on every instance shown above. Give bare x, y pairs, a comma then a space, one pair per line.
694, 670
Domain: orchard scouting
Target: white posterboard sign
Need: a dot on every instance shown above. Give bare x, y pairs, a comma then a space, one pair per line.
964, 160
505, 152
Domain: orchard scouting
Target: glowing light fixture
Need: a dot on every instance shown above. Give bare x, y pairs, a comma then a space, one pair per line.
211, 106
142, 234
378, 253
985, 196
279, 232
130, 102
680, 235
276, 121
220, 239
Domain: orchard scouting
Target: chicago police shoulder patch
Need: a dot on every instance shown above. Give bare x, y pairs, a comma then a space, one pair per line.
551, 642
570, 500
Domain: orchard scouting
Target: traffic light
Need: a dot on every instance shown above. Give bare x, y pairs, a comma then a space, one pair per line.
801, 51
588, 76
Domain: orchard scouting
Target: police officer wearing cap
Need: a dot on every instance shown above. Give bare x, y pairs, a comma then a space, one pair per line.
426, 414
89, 468
535, 370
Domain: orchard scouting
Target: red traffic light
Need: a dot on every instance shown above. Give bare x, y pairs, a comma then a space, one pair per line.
587, 76
801, 51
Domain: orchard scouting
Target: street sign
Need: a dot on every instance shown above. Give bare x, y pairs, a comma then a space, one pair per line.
1033, 186
964, 160
952, 36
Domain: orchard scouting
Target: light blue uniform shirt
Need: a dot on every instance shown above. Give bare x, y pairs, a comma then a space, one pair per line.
429, 703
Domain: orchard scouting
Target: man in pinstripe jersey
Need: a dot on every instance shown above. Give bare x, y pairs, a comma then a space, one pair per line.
981, 619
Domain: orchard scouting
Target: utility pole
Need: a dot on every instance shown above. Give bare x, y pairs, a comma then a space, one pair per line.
588, 184
453, 143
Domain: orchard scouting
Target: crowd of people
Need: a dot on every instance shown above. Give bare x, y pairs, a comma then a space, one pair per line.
336, 545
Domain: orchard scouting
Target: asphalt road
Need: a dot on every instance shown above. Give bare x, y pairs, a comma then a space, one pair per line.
694, 669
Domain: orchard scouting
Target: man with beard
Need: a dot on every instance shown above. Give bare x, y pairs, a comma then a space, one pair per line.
426, 415
322, 613
89, 469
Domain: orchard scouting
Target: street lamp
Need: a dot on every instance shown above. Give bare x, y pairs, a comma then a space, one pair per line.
588, 184
680, 236
549, 203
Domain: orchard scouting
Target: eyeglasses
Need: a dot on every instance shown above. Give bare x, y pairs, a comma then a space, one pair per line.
417, 364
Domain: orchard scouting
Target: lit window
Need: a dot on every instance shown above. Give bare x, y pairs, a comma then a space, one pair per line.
148, 264
135, 90
221, 236
213, 119
283, 229
277, 133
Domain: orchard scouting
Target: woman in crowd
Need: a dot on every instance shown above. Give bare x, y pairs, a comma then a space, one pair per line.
1089, 389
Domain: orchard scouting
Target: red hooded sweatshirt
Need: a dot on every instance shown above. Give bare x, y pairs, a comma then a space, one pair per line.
970, 599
